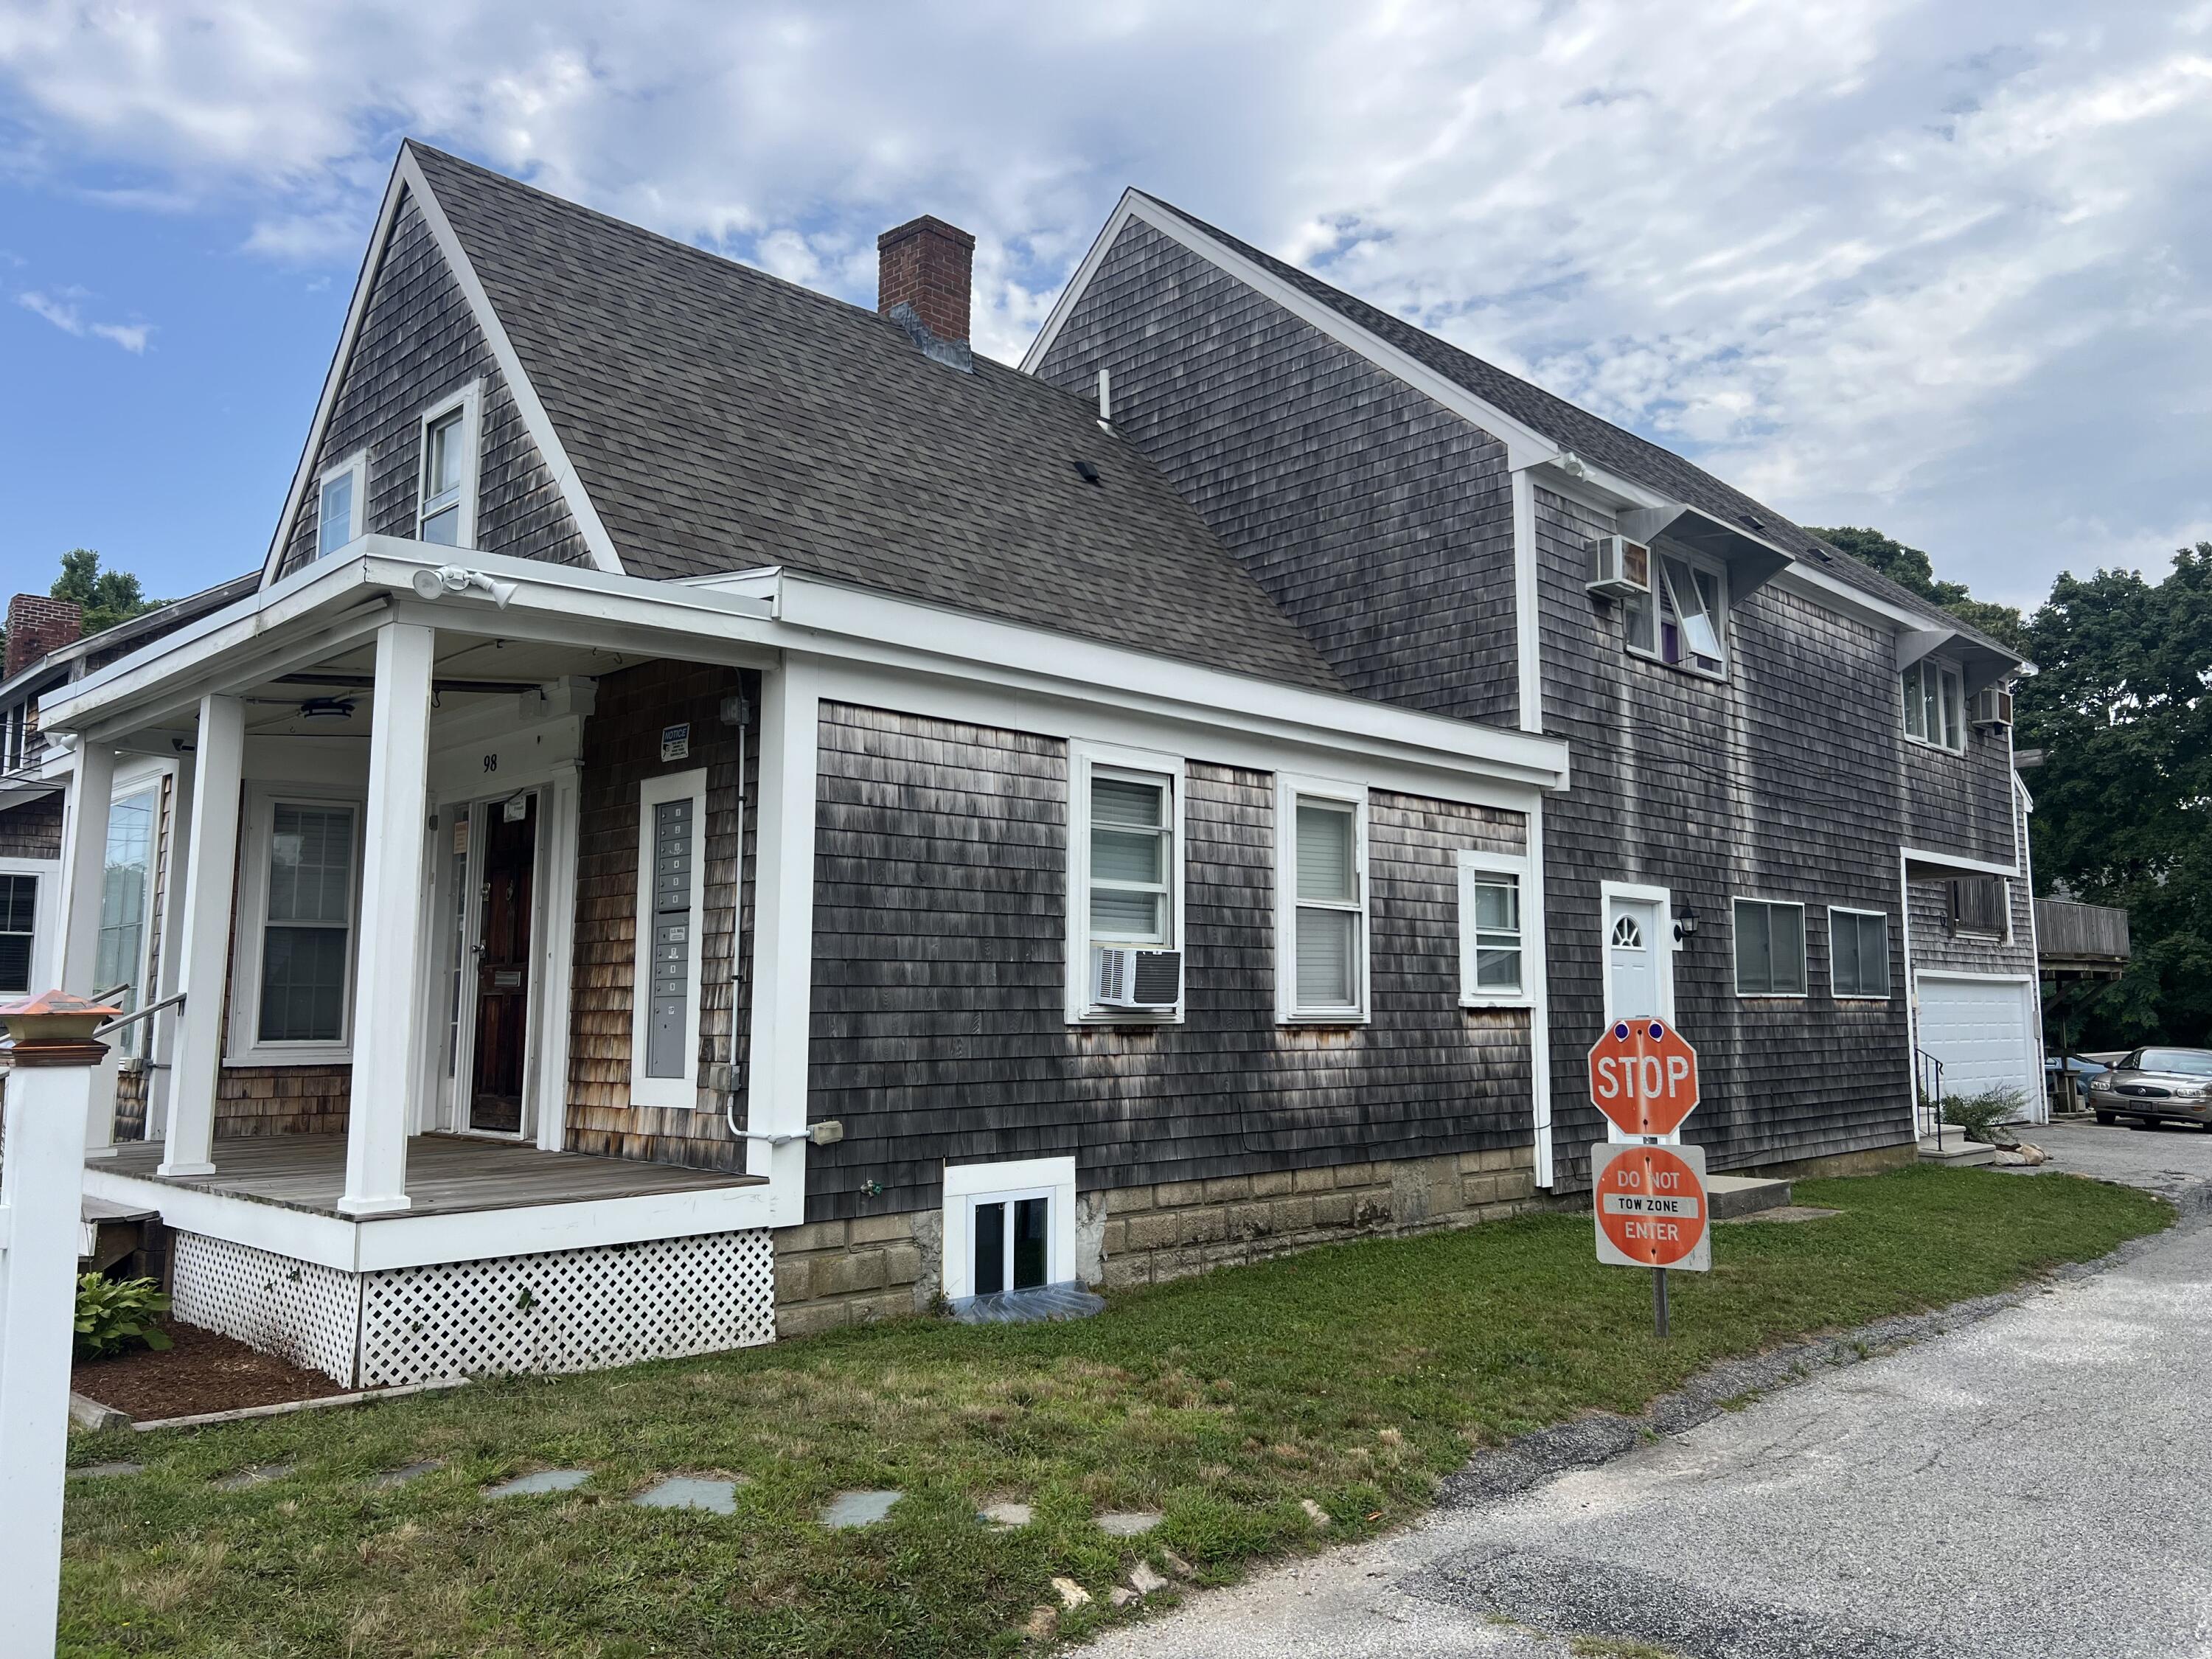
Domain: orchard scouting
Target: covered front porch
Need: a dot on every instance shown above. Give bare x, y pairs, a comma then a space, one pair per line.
445, 995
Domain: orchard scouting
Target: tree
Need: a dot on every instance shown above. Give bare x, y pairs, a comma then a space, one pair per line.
107, 597
1909, 568
2122, 709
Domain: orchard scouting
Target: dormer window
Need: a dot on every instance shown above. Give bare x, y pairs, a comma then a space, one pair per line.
1684, 623
446, 510
1935, 706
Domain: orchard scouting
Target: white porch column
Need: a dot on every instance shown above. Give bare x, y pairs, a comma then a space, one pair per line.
161, 1046
783, 931
84, 870
41, 1185
558, 802
204, 954
389, 967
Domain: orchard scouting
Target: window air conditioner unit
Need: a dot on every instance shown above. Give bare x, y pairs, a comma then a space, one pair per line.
1619, 569
1131, 978
1993, 706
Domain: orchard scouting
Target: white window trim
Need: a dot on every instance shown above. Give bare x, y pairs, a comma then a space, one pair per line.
1742, 995
1835, 910
469, 401
357, 465
1712, 568
968, 1184
46, 916
243, 1045
1943, 670
1289, 789
1472, 861
679, 1092
1083, 756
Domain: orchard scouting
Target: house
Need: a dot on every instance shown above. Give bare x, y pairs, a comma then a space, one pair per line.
46, 651
725, 813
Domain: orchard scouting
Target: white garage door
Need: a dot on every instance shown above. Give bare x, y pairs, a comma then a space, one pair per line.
1979, 1029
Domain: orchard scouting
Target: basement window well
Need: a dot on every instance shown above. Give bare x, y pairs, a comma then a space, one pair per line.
1009, 1232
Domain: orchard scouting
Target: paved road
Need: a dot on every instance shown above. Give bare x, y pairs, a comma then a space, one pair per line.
2027, 1487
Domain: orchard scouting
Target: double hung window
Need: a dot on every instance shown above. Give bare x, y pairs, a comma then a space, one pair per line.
1494, 929
1125, 857
1321, 908
445, 507
126, 900
306, 939
19, 926
340, 505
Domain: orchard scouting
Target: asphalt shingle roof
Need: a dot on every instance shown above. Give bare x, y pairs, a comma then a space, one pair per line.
721, 419
1613, 447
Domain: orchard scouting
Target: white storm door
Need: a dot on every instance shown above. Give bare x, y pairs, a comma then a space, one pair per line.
1635, 957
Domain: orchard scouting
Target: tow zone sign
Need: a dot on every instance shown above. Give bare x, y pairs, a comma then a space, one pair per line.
1651, 1210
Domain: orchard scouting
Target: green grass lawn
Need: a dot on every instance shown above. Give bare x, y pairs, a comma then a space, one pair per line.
1353, 1376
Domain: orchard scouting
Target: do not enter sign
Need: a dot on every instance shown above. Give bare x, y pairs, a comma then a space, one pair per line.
1643, 1076
1651, 1207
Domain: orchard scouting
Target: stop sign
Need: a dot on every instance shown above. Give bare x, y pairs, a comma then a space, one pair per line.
1643, 1076
1651, 1207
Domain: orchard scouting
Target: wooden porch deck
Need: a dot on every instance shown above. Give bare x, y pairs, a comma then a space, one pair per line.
447, 1175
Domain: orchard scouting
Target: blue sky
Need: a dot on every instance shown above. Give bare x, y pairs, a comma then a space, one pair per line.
1936, 267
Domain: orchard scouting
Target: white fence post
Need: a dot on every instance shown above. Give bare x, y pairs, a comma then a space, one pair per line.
57, 1060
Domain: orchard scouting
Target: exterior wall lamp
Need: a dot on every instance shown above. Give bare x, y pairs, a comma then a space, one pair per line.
1686, 925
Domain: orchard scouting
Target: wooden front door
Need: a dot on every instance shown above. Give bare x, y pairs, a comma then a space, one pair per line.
504, 884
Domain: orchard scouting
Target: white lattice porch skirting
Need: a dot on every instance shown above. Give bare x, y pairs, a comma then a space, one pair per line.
560, 1310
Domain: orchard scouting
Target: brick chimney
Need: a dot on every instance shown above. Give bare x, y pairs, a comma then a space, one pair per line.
36, 625
926, 265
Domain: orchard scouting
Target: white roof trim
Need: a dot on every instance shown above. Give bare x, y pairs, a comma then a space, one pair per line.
337, 602
406, 178
1524, 445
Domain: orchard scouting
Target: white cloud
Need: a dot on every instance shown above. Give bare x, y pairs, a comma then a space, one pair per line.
1941, 269
66, 311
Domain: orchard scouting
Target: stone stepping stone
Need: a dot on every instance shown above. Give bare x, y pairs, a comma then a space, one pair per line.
104, 1471
1129, 1523
1003, 1516
858, 1509
260, 1476
686, 1492
405, 1472
544, 1480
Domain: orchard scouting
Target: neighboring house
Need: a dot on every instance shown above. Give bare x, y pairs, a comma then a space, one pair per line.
725, 814
122, 943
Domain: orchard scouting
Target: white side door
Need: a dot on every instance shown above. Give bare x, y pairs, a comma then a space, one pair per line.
1638, 961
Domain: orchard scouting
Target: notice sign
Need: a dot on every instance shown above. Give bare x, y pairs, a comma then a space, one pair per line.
675, 742
1651, 1207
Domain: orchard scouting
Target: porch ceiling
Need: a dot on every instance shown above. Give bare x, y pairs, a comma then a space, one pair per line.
447, 1175
470, 671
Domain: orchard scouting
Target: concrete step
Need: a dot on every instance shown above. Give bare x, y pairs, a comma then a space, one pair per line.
1737, 1195
1957, 1152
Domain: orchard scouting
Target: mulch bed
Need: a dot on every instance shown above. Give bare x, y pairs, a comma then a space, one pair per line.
202, 1373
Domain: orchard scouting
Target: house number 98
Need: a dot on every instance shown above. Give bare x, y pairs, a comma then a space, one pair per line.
491, 763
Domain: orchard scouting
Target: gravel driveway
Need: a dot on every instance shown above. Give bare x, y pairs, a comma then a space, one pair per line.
2026, 1487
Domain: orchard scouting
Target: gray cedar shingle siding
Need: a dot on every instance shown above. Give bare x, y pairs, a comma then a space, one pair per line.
33, 830
721, 419
621, 749
1782, 783
939, 1030
1936, 946
1959, 803
1613, 447
419, 343
1379, 522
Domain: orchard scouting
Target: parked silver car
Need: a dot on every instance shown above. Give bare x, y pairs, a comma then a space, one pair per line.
2156, 1086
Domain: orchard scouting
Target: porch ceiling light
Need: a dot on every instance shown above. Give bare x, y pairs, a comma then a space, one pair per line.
451, 579
326, 709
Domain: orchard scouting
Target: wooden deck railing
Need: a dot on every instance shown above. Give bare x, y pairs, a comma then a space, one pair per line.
2066, 931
